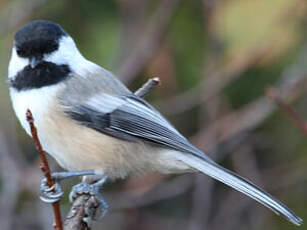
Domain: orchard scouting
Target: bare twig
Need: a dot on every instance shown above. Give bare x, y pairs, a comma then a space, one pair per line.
147, 87
45, 169
81, 213
286, 108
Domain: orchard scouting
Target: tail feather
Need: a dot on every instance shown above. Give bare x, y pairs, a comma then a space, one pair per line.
231, 179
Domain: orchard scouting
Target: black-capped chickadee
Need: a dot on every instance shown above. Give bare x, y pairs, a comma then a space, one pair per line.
89, 121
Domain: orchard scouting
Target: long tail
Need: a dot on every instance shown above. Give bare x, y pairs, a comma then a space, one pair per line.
229, 178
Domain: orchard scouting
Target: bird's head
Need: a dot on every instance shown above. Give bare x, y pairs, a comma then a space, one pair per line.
44, 50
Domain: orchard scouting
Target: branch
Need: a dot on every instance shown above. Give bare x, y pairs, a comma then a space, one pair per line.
149, 86
45, 169
81, 213
286, 108
83, 209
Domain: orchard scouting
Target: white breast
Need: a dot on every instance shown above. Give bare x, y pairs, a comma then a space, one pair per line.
37, 100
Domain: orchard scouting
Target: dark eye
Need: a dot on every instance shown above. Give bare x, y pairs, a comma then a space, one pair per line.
53, 45
19, 52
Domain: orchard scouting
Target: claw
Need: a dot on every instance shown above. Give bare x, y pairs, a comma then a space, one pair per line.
44, 187
50, 194
104, 207
58, 194
93, 190
49, 189
54, 193
48, 200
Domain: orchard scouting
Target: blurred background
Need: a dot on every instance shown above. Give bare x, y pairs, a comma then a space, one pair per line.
234, 80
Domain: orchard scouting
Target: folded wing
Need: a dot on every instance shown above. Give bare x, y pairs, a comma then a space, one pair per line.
131, 118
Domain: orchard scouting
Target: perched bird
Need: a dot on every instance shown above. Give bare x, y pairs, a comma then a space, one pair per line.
94, 126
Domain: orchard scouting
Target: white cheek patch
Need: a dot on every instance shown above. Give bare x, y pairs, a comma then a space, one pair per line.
68, 54
16, 64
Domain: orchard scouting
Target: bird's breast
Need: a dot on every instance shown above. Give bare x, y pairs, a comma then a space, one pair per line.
38, 101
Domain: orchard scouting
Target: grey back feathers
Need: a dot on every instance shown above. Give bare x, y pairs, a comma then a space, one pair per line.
79, 89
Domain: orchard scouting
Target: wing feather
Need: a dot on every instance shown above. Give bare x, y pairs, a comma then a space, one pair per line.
130, 118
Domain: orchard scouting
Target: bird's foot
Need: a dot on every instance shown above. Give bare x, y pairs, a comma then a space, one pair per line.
91, 190
55, 192
50, 194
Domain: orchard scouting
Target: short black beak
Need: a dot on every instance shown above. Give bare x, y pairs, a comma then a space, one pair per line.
34, 61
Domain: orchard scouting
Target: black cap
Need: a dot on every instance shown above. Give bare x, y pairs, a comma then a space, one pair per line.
38, 38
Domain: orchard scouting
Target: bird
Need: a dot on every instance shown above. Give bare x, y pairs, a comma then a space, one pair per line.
95, 127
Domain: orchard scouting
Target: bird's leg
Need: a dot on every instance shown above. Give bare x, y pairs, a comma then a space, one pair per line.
92, 190
54, 193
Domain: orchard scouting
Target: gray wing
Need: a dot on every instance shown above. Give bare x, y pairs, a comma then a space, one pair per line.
130, 118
